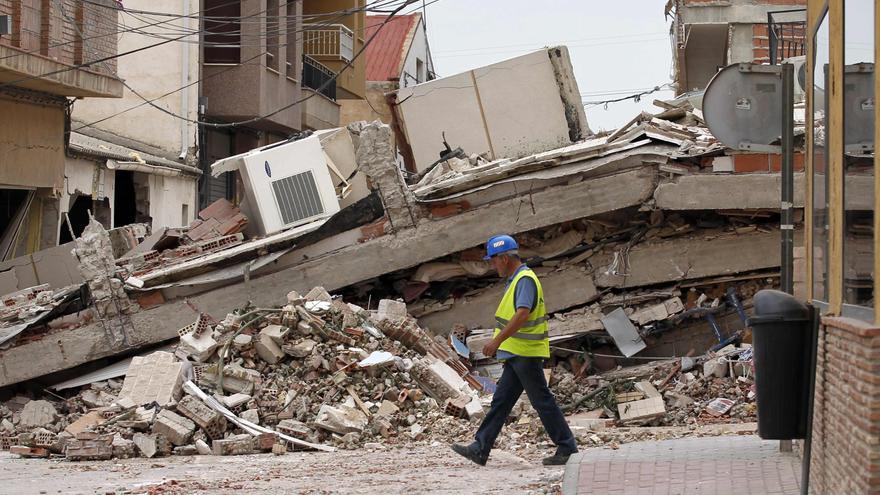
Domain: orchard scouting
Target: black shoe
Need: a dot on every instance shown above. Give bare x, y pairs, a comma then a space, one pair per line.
557, 459
470, 454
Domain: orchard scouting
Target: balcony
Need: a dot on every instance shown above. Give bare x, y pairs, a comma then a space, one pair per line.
49, 38
328, 42
318, 77
320, 111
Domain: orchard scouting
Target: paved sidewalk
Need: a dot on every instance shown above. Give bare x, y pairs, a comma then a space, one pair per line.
686, 466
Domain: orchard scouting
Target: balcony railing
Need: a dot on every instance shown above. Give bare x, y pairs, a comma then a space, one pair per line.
333, 41
787, 33
315, 75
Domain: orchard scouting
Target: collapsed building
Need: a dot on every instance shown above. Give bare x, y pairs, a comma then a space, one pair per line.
650, 241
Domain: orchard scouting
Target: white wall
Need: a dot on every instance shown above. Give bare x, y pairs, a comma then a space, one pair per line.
79, 175
418, 50
168, 195
152, 72
519, 111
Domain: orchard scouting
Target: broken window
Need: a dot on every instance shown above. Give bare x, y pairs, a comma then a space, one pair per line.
78, 216
272, 28
222, 27
14, 204
705, 53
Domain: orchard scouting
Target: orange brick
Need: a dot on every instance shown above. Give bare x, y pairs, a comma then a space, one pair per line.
751, 162
449, 209
776, 162
150, 299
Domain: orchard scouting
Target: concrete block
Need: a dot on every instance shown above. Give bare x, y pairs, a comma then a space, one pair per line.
200, 347
176, 428
294, 428
474, 409
265, 441
185, 450
277, 333
390, 309
242, 341
644, 409
317, 294
29, 452
206, 418
203, 448
252, 415
235, 400
387, 409
301, 349
268, 349
37, 413
155, 377
146, 444
715, 367
122, 448
90, 447
342, 419
236, 445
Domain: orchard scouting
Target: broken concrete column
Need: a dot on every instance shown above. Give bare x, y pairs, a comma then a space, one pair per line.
97, 264
375, 157
390, 309
155, 377
177, 429
206, 418
437, 379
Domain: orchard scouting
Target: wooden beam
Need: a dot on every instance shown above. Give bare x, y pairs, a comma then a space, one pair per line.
835, 139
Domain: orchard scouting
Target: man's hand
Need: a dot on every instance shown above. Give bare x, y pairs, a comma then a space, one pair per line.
490, 348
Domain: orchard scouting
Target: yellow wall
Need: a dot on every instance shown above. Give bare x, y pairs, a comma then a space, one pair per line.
352, 82
31, 145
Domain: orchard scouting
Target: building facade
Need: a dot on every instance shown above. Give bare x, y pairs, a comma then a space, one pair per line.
709, 35
251, 68
129, 160
56, 50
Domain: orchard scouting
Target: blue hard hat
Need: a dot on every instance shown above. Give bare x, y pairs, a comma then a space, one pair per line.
499, 244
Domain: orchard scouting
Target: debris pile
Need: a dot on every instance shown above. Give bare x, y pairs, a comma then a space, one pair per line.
715, 388
316, 374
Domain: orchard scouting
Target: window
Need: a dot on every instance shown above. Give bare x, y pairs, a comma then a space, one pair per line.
858, 118
820, 162
420, 71
272, 28
222, 26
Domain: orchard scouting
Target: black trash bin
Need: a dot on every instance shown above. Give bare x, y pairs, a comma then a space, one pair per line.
781, 330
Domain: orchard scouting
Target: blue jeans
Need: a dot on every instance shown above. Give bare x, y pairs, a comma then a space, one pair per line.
524, 373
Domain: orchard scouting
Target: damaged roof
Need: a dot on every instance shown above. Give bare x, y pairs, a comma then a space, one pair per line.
96, 147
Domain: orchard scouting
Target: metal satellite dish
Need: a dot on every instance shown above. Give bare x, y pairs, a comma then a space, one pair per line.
742, 106
858, 107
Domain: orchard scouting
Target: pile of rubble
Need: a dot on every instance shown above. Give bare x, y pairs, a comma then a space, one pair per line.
716, 388
316, 374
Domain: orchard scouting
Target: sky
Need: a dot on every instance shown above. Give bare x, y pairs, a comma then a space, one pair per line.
620, 47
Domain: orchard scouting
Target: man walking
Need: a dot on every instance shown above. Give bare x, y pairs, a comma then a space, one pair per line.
522, 344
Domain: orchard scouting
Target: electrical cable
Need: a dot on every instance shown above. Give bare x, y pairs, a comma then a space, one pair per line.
635, 97
285, 107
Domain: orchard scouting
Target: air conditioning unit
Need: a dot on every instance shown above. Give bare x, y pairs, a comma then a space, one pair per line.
800, 76
286, 184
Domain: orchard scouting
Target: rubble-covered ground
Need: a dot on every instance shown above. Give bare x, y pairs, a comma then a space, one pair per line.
422, 469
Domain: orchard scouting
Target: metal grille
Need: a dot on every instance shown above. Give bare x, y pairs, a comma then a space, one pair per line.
787, 33
297, 197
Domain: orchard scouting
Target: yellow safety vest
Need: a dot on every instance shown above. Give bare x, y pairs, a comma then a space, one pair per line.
532, 338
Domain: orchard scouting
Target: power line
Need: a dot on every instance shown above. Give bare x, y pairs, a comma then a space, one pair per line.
635, 97
285, 107
150, 101
587, 45
147, 47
